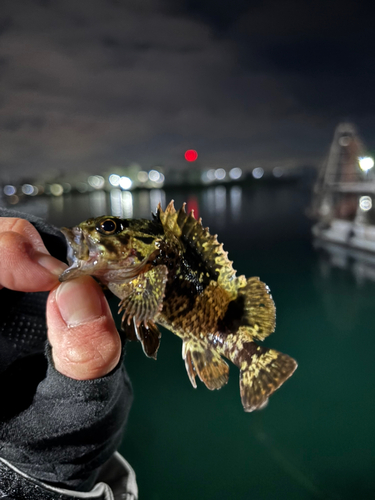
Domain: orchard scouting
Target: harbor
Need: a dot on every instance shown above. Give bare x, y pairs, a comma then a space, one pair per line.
304, 439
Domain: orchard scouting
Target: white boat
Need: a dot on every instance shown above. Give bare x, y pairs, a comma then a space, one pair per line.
344, 194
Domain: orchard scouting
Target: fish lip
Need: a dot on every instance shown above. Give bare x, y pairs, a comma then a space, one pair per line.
107, 275
72, 272
75, 243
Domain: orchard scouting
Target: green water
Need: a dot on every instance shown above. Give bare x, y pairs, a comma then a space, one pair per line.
316, 437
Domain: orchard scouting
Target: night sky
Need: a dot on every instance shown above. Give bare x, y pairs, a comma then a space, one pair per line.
86, 84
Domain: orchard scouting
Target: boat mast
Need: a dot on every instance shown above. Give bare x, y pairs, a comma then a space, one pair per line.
340, 174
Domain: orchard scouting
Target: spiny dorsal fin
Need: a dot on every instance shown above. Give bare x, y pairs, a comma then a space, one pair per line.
191, 231
169, 218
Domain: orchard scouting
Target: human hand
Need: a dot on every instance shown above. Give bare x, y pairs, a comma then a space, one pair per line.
71, 406
85, 342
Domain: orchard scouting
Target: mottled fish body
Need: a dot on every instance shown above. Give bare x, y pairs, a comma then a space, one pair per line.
171, 271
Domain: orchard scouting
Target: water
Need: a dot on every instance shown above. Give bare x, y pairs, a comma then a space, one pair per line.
315, 439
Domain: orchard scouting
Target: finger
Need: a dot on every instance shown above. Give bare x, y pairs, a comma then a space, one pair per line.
25, 264
25, 228
81, 330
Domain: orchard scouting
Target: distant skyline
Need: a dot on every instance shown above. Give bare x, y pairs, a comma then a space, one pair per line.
100, 83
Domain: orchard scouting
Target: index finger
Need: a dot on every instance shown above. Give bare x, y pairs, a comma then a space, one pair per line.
25, 264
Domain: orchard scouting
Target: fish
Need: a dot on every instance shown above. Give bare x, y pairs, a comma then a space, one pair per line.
171, 271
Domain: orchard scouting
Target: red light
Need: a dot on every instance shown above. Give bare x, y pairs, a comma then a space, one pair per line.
191, 155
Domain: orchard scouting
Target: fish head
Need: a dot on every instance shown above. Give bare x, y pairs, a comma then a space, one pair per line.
109, 248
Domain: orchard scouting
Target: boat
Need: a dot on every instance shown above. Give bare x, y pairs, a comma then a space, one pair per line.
343, 197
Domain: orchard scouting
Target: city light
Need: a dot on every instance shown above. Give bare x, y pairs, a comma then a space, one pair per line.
142, 176
211, 174
365, 203
81, 187
125, 183
278, 172
9, 190
154, 175
96, 181
366, 163
29, 190
114, 180
235, 173
191, 155
257, 173
220, 174
67, 187
56, 189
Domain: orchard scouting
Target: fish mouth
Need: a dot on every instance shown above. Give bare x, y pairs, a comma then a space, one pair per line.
78, 253
84, 258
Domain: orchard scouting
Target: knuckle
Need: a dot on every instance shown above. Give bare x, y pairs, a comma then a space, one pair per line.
22, 227
12, 247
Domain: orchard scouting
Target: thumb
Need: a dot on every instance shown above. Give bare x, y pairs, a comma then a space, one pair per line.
81, 330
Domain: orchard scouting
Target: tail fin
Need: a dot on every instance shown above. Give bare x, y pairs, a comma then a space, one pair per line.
264, 372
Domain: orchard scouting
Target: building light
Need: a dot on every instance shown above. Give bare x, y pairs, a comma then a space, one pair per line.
366, 163
220, 174
235, 173
365, 203
125, 183
10, 190
257, 173
114, 180
154, 175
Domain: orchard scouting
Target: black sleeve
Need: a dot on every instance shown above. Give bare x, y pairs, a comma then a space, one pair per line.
54, 428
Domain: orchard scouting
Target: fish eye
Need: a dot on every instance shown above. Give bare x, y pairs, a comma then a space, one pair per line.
109, 226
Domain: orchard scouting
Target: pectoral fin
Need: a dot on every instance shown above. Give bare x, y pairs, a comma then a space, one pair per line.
142, 300
202, 360
143, 296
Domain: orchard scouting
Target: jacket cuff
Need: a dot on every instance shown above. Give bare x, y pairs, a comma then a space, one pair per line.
117, 482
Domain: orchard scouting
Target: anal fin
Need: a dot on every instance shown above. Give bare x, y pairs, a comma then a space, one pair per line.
202, 360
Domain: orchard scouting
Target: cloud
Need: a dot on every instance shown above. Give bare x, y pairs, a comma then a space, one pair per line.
93, 83
85, 82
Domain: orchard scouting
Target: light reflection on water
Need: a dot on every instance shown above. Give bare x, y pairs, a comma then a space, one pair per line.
98, 203
127, 205
245, 214
220, 203
116, 202
157, 196
121, 204
235, 202
360, 264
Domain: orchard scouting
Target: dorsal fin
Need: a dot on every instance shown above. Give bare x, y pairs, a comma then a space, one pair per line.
192, 233
169, 218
